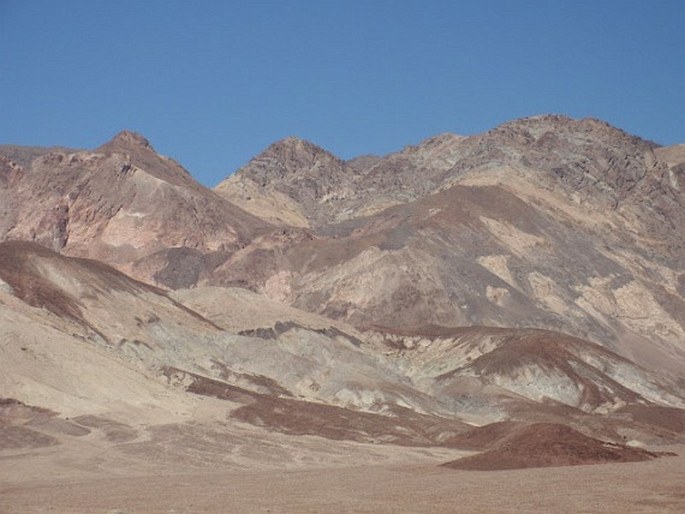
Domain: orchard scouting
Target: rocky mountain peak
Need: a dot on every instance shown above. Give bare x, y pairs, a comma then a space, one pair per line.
129, 137
549, 126
444, 138
126, 141
288, 157
296, 152
138, 151
439, 142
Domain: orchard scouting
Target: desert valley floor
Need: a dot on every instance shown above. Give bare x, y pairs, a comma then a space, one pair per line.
347, 478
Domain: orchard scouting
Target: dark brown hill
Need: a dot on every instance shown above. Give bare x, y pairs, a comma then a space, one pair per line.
548, 445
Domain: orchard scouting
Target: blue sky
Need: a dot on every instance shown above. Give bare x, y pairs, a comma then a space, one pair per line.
213, 83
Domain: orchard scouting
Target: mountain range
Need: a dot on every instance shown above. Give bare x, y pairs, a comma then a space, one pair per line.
502, 293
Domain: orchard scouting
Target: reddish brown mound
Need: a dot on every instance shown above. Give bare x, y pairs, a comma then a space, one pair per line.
547, 445
15, 437
294, 417
15, 412
482, 438
30, 286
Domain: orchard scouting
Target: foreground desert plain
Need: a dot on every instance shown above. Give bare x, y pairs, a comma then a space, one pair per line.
480, 324
392, 480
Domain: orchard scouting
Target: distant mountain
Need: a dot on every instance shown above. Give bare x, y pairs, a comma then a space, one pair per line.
583, 156
317, 188
288, 182
544, 222
570, 225
126, 205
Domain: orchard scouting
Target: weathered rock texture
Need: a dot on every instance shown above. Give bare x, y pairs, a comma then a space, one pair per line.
122, 204
545, 222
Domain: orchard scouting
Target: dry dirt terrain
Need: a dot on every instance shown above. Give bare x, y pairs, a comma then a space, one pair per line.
413, 486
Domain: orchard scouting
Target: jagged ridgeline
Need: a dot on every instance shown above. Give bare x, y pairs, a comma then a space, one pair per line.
544, 222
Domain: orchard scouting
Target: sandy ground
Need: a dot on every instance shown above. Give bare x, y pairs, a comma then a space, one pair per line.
654, 486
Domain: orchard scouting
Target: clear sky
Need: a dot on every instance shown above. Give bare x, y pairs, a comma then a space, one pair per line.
212, 83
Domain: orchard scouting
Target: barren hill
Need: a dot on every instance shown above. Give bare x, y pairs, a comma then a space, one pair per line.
545, 222
123, 204
546, 445
62, 314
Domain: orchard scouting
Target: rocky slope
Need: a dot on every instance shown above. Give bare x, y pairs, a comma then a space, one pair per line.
81, 339
124, 204
543, 222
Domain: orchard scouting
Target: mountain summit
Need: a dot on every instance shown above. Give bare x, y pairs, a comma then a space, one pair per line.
128, 205
126, 139
286, 182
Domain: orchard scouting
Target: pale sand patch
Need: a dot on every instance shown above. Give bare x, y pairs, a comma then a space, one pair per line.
270, 205
518, 241
498, 265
